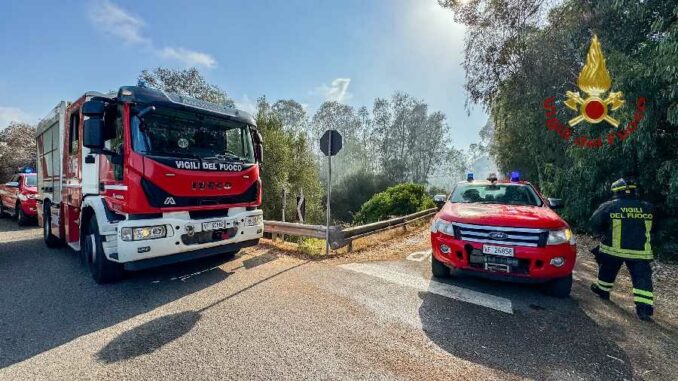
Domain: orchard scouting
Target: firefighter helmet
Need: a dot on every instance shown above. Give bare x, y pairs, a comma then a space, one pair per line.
622, 186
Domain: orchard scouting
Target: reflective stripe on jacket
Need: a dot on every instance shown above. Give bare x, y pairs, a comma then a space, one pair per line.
626, 226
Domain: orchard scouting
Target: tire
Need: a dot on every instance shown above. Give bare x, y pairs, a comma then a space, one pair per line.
50, 239
102, 270
559, 288
439, 269
21, 218
2, 210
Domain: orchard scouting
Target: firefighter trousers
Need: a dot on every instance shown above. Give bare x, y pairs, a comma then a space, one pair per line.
641, 277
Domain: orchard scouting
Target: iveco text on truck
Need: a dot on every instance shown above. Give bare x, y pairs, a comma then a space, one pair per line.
144, 178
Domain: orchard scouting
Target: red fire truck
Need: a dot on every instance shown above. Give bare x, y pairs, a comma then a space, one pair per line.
142, 178
503, 230
17, 197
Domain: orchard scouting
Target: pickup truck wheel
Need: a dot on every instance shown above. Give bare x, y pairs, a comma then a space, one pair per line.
438, 268
102, 270
50, 239
2, 210
560, 288
21, 217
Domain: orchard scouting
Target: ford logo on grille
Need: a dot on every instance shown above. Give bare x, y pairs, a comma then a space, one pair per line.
498, 235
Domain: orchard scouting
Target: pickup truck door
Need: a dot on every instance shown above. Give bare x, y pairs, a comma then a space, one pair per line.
10, 194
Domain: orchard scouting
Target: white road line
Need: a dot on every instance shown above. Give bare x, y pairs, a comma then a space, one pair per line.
438, 288
419, 256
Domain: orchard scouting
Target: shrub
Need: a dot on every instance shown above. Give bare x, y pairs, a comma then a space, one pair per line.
353, 191
398, 200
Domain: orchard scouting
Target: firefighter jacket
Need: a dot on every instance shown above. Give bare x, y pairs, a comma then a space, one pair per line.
626, 226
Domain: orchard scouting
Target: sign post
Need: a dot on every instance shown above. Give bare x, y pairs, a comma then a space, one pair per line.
330, 144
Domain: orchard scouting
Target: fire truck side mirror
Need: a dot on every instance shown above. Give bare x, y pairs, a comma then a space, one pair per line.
259, 152
94, 134
93, 109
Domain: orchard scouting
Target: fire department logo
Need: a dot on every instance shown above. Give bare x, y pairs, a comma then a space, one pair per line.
594, 107
595, 81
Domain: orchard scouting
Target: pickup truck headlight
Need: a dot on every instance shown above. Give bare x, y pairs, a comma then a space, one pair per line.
445, 227
143, 233
31, 196
556, 237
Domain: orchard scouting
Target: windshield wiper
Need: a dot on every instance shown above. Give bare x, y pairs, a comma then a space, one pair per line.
175, 154
223, 156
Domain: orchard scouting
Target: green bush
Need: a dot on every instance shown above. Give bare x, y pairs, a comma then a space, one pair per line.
353, 191
398, 200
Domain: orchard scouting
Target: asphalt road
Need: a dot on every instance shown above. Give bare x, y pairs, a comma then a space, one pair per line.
266, 315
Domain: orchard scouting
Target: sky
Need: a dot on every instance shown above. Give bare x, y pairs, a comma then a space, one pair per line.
350, 51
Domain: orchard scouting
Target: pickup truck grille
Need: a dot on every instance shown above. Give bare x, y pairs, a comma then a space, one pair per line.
501, 235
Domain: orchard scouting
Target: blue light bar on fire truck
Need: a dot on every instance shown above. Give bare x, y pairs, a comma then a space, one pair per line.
469, 176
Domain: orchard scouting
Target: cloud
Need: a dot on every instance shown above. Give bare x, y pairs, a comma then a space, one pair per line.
112, 19
246, 104
336, 91
188, 57
14, 114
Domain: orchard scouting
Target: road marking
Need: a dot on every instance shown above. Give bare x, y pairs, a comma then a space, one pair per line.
419, 256
432, 286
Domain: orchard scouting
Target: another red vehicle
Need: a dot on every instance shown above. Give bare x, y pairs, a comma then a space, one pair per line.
17, 197
503, 230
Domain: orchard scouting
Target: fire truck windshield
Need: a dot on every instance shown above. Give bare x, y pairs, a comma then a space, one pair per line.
506, 194
180, 133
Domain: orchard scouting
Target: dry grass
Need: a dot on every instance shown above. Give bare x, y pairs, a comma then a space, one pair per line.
391, 244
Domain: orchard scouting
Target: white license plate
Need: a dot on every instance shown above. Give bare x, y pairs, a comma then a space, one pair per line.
213, 225
498, 250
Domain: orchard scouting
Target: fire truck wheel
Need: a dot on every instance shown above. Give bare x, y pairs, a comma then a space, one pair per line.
21, 217
102, 270
560, 288
50, 239
438, 268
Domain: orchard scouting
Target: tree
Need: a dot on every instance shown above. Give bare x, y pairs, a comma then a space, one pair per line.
291, 114
289, 164
188, 82
518, 53
17, 148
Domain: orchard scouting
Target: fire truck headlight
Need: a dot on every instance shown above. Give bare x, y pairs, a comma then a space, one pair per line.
442, 226
143, 233
556, 237
254, 220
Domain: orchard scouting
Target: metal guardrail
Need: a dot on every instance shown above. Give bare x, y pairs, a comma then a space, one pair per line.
340, 237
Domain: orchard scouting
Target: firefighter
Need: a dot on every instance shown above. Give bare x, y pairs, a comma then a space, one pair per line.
625, 223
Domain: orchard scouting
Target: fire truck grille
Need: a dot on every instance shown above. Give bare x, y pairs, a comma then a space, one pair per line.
159, 198
501, 235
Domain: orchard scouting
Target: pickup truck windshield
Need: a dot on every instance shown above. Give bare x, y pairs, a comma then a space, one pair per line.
178, 133
506, 194
31, 181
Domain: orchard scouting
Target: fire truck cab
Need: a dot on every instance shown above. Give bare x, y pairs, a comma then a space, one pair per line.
142, 178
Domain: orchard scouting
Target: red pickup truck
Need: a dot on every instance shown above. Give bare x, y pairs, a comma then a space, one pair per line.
503, 230
17, 197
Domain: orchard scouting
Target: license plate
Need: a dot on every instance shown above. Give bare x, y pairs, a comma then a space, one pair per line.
498, 250
213, 225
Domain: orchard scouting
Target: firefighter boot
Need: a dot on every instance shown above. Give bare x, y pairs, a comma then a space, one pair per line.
605, 295
644, 312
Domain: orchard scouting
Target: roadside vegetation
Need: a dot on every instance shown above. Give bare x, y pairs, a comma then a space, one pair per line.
520, 52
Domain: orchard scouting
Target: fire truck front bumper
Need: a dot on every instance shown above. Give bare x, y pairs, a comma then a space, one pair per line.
176, 237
